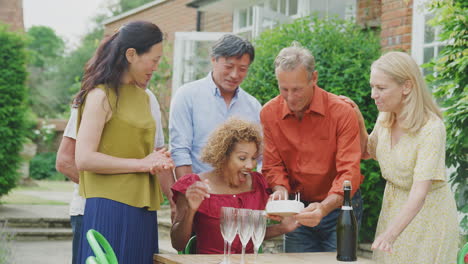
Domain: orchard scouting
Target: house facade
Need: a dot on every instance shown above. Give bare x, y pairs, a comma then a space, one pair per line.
172, 16
191, 26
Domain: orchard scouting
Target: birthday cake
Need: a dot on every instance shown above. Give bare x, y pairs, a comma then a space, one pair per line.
284, 207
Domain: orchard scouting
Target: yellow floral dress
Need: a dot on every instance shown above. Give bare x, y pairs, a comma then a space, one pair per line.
432, 236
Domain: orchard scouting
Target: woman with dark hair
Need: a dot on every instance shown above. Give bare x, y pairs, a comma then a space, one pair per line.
115, 141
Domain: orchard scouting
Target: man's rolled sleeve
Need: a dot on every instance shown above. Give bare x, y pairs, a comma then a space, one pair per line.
348, 155
273, 167
159, 142
181, 130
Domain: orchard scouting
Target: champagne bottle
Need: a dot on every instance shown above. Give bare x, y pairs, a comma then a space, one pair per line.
346, 228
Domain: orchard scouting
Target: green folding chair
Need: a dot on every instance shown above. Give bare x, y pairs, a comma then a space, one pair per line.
191, 247
98, 242
463, 254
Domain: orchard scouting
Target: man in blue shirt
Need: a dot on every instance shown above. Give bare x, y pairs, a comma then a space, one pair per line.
199, 107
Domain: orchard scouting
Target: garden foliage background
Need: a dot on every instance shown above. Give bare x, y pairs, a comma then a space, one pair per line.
450, 84
343, 54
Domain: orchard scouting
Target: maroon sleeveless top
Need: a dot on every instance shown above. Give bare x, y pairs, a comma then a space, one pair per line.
206, 220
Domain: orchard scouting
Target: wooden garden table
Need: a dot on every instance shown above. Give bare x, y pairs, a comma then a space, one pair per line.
280, 258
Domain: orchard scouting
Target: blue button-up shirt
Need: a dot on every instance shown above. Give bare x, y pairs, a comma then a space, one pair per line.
197, 109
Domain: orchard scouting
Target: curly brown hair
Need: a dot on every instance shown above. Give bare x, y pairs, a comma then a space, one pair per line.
222, 141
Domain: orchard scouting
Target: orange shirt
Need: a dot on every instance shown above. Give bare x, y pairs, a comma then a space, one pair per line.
314, 155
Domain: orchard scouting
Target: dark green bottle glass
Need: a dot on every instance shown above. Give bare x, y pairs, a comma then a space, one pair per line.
346, 228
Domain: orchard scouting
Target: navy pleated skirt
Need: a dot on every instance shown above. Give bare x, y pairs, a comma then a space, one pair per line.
132, 232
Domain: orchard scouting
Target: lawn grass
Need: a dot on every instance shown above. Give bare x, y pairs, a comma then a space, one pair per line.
44, 185
18, 195
19, 198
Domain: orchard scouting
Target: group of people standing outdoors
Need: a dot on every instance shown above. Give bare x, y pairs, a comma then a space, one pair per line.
228, 150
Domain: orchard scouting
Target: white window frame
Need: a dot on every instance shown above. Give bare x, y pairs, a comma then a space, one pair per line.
260, 14
184, 52
304, 8
236, 21
418, 29
257, 14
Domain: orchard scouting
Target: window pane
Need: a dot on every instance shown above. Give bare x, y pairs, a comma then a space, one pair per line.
344, 9
428, 54
199, 62
283, 7
428, 34
250, 15
274, 5
439, 49
319, 7
242, 18
429, 31
337, 8
292, 7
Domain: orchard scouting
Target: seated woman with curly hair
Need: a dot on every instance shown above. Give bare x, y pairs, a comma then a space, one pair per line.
232, 151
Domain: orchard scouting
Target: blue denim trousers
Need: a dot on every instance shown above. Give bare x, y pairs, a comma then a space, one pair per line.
76, 221
320, 238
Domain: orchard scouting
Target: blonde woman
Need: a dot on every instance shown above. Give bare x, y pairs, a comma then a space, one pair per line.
418, 220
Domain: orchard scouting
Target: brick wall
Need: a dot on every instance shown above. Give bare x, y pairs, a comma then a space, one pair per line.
369, 13
216, 22
171, 16
396, 25
11, 13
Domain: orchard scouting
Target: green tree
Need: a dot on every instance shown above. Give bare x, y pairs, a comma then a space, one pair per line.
12, 106
450, 81
44, 46
45, 50
68, 76
343, 54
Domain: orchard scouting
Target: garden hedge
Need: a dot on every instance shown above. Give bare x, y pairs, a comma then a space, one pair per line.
12, 106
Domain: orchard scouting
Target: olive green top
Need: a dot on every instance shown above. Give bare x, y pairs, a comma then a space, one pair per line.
128, 134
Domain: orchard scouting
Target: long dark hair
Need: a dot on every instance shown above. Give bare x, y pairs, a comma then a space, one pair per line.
109, 62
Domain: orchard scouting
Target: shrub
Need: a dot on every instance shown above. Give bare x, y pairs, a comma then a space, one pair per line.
343, 53
450, 81
5, 244
42, 166
12, 106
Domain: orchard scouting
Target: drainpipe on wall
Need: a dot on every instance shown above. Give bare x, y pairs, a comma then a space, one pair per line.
199, 13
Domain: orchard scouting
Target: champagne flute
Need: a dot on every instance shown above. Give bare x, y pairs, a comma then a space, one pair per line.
245, 228
259, 229
228, 226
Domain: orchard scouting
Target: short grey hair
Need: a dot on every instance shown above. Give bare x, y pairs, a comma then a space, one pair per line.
293, 56
231, 45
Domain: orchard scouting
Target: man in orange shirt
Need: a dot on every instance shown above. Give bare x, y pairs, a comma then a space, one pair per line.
311, 146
